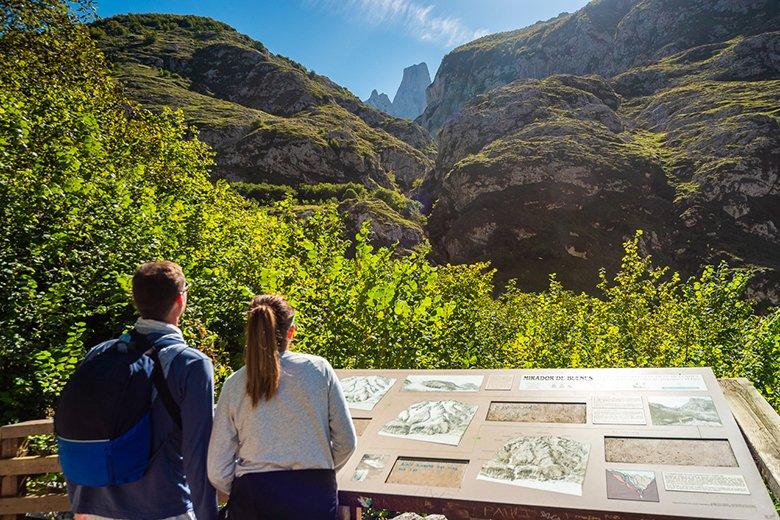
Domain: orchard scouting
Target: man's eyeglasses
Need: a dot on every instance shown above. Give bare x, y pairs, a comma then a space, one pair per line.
186, 288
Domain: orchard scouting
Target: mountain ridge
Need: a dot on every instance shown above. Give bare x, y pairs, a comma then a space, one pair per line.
605, 37
269, 118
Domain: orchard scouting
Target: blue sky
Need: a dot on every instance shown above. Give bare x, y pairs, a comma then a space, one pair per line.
361, 44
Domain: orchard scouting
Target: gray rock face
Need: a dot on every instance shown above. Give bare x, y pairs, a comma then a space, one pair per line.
550, 175
605, 37
409, 101
410, 98
380, 101
388, 229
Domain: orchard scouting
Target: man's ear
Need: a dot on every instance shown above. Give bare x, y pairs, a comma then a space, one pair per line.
290, 333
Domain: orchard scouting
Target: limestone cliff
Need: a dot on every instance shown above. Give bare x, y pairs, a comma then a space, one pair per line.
550, 175
409, 101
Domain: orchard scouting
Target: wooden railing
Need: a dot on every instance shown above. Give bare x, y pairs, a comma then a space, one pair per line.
759, 423
15, 467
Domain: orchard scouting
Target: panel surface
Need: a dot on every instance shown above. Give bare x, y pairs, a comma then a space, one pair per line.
604, 443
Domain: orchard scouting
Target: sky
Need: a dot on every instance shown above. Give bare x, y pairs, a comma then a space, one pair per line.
360, 44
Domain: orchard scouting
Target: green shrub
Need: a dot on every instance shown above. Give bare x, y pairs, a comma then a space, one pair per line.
264, 192
329, 191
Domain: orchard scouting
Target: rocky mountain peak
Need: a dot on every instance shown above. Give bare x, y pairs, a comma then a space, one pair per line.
410, 98
380, 101
409, 101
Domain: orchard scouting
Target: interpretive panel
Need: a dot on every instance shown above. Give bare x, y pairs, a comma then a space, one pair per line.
568, 444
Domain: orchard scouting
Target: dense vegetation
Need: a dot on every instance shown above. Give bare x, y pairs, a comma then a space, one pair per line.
91, 185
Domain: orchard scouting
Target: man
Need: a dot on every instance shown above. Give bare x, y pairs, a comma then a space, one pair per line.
175, 486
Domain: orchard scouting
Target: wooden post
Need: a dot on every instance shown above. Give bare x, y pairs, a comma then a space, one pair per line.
760, 426
344, 513
10, 483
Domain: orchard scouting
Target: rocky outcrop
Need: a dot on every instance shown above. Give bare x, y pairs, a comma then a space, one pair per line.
409, 101
380, 101
410, 98
605, 37
387, 227
268, 118
550, 175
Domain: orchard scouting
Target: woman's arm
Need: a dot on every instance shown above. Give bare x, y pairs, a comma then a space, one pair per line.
343, 439
223, 445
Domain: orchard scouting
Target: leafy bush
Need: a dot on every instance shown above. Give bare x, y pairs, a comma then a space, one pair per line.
327, 190
264, 192
91, 186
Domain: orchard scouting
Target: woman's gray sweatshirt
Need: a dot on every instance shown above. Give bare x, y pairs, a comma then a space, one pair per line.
306, 425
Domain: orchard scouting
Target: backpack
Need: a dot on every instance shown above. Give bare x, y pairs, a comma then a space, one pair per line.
103, 418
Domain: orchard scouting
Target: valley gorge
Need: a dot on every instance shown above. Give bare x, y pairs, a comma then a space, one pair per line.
539, 150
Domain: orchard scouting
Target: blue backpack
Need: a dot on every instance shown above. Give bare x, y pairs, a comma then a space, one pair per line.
103, 417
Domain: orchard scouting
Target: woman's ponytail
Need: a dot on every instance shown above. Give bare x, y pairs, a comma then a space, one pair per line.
269, 319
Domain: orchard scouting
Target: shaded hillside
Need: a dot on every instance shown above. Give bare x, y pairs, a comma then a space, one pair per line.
268, 118
605, 37
550, 175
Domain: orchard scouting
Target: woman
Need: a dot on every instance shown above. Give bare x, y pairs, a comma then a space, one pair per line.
282, 426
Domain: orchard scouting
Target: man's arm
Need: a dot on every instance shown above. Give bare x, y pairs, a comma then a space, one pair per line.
343, 439
197, 409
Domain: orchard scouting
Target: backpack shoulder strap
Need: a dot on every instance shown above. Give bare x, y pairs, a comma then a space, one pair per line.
158, 376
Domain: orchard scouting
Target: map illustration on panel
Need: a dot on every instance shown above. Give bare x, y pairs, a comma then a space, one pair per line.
369, 467
632, 485
677, 411
549, 463
443, 422
363, 392
442, 383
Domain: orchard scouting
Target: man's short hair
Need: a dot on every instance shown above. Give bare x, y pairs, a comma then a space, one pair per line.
155, 288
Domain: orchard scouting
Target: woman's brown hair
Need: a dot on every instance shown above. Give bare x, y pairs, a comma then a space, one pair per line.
268, 320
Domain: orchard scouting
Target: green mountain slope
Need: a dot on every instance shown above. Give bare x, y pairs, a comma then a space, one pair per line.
550, 175
268, 118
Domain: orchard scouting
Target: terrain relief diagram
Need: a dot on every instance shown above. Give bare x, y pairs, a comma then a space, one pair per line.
549, 463
363, 392
442, 383
443, 422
